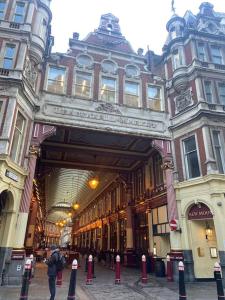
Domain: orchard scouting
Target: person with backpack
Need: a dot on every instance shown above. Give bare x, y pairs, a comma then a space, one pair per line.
52, 270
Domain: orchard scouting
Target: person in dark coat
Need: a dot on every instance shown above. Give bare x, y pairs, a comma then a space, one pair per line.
52, 270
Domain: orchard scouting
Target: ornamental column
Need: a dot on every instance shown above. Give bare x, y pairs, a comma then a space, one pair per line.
40, 133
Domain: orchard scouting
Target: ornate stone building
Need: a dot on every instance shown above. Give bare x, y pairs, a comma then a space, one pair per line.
149, 127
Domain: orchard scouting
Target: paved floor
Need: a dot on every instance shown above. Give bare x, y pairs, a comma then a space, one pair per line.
103, 287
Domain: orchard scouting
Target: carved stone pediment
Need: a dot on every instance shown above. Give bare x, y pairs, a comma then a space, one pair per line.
183, 100
108, 107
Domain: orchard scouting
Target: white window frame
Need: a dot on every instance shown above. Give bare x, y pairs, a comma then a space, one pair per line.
7, 45
204, 51
140, 104
2, 110
14, 11
2, 54
161, 95
180, 56
20, 146
218, 88
221, 54
109, 76
91, 85
4, 11
184, 160
66, 78
221, 142
212, 91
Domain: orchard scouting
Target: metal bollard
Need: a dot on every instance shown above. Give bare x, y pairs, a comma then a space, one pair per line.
32, 267
117, 273
89, 271
73, 278
219, 283
144, 270
26, 279
169, 268
182, 290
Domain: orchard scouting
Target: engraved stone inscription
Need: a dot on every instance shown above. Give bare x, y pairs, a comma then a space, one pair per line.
184, 100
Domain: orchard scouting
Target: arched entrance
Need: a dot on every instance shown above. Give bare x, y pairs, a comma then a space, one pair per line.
203, 240
5, 203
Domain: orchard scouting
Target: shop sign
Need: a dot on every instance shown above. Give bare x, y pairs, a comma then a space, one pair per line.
11, 175
199, 212
176, 256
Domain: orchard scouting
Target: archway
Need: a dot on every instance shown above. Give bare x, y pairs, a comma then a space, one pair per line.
203, 240
5, 204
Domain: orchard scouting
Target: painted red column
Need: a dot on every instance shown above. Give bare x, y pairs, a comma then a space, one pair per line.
89, 271
117, 273
169, 269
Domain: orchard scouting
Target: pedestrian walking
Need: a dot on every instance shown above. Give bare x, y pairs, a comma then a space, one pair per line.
52, 270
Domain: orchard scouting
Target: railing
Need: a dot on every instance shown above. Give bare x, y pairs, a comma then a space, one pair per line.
14, 25
4, 72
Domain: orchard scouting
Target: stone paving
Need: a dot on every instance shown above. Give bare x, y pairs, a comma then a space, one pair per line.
103, 287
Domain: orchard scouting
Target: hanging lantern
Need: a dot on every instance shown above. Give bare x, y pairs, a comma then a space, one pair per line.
93, 182
76, 206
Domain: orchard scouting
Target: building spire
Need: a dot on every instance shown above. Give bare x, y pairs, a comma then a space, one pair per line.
173, 7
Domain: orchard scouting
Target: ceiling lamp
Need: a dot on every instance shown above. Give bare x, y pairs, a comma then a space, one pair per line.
76, 206
93, 182
69, 214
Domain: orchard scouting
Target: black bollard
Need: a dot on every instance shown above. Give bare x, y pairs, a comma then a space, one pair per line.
182, 290
219, 283
26, 279
73, 278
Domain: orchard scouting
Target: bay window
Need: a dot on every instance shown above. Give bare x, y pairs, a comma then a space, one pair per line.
131, 94
191, 158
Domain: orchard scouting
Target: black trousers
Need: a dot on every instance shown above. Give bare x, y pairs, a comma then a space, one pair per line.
52, 286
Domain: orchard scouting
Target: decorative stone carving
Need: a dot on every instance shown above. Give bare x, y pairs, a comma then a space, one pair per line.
108, 107
30, 72
184, 100
34, 150
168, 164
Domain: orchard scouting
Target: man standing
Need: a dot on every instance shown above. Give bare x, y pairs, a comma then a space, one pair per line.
52, 270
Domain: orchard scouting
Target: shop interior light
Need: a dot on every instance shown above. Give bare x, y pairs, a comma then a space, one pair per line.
93, 183
76, 206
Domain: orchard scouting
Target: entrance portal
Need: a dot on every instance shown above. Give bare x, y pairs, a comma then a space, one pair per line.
203, 240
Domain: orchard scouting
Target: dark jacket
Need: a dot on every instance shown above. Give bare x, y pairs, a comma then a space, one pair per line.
51, 262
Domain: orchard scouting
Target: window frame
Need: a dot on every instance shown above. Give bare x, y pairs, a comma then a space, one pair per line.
139, 93
12, 59
218, 89
20, 145
4, 11
115, 78
205, 92
14, 12
204, 50
47, 75
180, 55
212, 56
77, 71
184, 158
161, 96
221, 151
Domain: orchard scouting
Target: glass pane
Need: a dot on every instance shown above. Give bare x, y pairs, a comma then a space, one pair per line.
222, 93
9, 51
82, 90
20, 121
83, 79
84, 60
193, 165
108, 84
108, 96
131, 100
109, 66
154, 92
190, 145
208, 91
132, 88
19, 8
15, 144
7, 63
56, 86
131, 71
219, 159
18, 19
57, 74
216, 138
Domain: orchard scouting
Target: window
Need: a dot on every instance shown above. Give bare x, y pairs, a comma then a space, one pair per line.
222, 93
132, 71
154, 97
208, 91
83, 84
9, 56
109, 66
158, 170
19, 12
108, 89
216, 55
84, 61
131, 94
56, 80
201, 52
218, 151
2, 9
191, 158
177, 59
16, 149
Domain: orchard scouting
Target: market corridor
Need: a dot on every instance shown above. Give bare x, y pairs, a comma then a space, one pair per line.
104, 288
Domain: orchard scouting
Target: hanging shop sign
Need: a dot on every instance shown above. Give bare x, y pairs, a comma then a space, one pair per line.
173, 225
11, 175
199, 211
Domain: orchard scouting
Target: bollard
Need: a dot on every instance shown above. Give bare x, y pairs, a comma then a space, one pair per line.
169, 269
73, 278
89, 271
182, 291
117, 273
144, 270
32, 267
219, 283
26, 279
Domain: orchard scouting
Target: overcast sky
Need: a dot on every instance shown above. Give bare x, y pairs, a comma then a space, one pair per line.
142, 22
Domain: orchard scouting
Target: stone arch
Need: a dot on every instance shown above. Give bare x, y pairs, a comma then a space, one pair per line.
190, 204
6, 200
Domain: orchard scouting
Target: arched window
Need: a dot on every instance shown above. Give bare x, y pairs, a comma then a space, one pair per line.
84, 61
132, 71
109, 66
